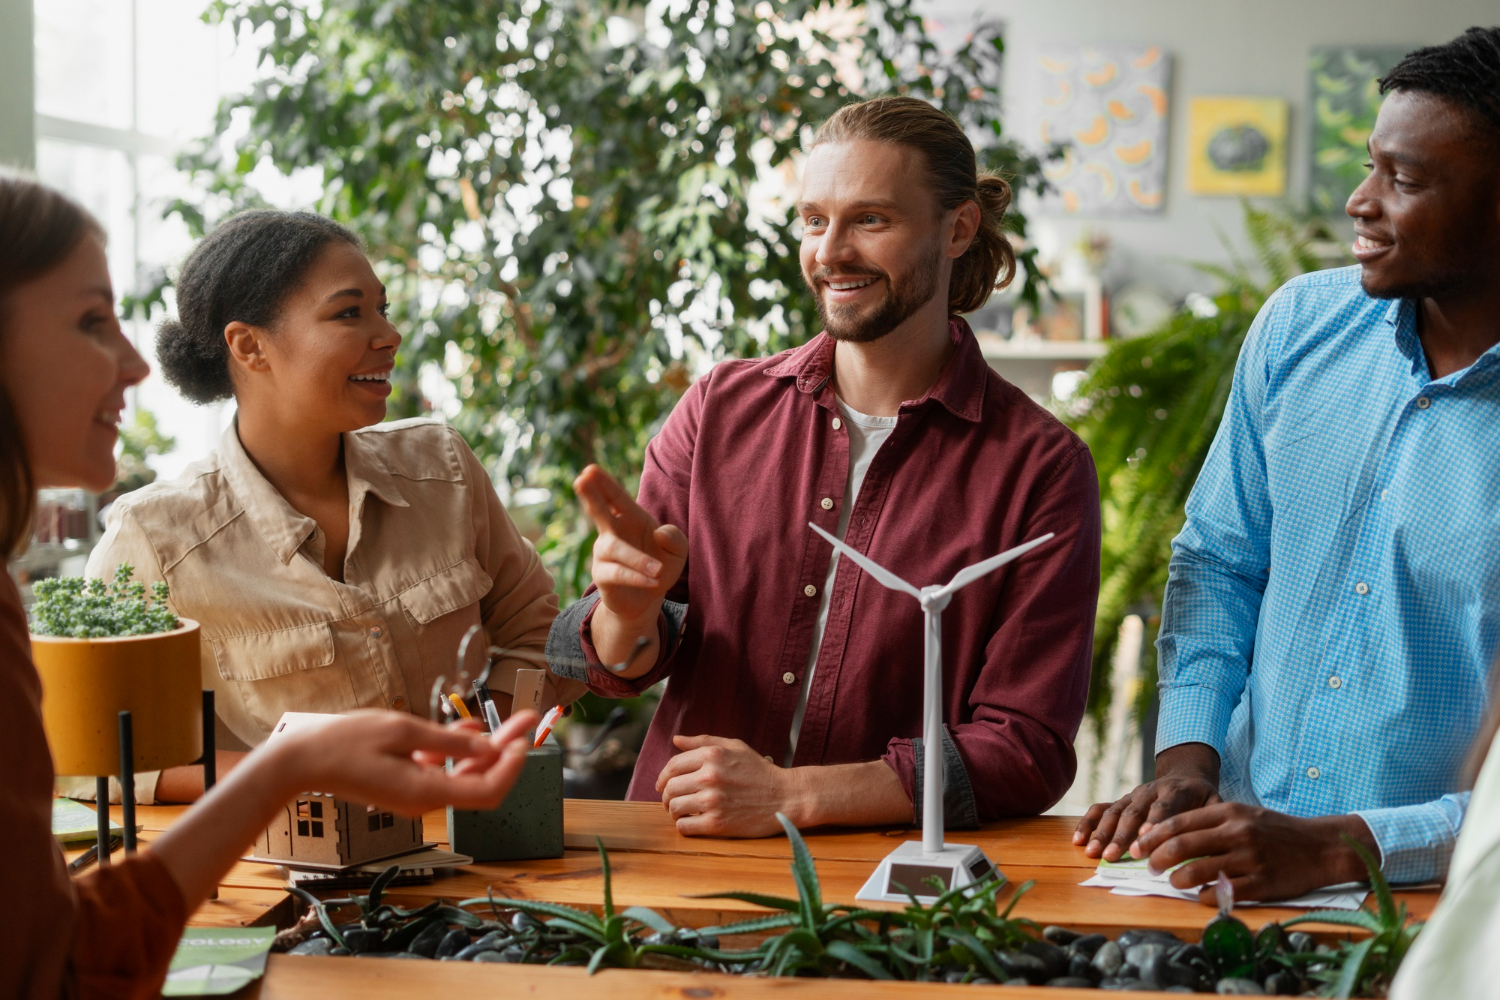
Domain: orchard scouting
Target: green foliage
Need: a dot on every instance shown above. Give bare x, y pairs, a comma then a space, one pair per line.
93, 609
558, 193
963, 936
1368, 966
1149, 410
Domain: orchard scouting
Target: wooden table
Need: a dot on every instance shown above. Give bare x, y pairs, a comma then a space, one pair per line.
655, 866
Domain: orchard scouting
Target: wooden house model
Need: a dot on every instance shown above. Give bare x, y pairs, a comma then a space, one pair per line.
321, 829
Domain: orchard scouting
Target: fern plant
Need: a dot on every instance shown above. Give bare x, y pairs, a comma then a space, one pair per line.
1149, 410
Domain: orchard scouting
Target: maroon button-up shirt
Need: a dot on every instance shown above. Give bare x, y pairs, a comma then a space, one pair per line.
750, 456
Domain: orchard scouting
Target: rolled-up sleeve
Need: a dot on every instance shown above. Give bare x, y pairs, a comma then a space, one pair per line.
665, 492
1219, 568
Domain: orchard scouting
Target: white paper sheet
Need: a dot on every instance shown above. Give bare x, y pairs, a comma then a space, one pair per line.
1134, 878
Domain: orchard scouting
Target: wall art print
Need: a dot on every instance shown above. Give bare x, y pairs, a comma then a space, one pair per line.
1237, 146
1343, 99
1107, 107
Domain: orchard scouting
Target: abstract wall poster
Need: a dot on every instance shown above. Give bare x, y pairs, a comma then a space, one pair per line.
1106, 107
1343, 98
1237, 146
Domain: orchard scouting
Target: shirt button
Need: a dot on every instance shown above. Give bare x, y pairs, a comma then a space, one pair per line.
1314, 773
1361, 588
1335, 682
376, 632
1384, 494
826, 503
398, 703
1423, 402
837, 423
810, 590
788, 678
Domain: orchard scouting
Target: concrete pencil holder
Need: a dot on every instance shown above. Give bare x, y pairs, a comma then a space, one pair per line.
528, 824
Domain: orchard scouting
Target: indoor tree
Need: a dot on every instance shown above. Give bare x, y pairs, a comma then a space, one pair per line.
574, 205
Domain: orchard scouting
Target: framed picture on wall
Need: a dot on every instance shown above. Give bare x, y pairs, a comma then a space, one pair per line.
1106, 108
1343, 98
1237, 146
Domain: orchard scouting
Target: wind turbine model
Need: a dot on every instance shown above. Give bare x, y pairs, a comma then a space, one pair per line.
907, 869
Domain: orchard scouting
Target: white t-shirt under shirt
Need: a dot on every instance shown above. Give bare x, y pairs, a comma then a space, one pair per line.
866, 435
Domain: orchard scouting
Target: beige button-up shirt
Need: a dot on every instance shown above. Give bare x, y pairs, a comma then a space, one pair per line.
431, 552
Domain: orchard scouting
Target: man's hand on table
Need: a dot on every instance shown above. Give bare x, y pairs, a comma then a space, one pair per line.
721, 787
1187, 777
636, 561
1267, 855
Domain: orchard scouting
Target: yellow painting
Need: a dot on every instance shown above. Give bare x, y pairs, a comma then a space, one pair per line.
1237, 146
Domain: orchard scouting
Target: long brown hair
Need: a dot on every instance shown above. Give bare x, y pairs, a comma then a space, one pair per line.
990, 261
39, 228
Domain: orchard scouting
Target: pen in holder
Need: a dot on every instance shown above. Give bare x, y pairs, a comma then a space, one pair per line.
527, 825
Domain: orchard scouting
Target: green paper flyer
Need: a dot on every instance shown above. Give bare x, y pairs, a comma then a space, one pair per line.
213, 961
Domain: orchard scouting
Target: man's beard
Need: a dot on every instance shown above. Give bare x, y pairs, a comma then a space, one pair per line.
902, 299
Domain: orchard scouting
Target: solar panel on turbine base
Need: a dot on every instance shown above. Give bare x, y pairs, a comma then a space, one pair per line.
907, 872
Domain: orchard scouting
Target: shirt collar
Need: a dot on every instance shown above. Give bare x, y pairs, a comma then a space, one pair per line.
369, 472
1402, 315
959, 386
284, 528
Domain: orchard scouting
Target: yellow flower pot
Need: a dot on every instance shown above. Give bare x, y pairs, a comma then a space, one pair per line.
87, 683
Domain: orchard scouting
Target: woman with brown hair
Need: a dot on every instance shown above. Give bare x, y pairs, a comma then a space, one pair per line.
333, 559
65, 366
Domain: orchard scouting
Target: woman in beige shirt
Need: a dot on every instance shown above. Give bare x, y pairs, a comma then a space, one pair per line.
334, 562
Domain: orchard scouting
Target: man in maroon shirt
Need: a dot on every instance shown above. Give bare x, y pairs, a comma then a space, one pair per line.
796, 681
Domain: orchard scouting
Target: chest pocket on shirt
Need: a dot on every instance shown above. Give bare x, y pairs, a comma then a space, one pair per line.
446, 591
285, 670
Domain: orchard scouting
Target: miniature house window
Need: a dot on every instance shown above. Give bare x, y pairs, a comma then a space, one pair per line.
309, 818
381, 821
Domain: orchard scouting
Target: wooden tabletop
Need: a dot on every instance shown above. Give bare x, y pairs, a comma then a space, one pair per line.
655, 866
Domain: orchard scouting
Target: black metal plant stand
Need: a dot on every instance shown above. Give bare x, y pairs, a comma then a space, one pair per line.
127, 779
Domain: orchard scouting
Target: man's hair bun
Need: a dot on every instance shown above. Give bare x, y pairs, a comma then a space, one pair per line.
241, 272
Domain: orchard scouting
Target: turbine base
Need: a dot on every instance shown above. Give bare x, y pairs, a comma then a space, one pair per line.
909, 867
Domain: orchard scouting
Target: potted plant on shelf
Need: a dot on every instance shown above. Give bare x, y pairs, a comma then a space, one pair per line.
102, 648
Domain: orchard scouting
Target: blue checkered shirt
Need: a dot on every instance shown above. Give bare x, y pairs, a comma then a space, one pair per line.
1333, 603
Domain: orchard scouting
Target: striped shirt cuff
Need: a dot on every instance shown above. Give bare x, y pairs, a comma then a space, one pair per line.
1416, 842
1192, 713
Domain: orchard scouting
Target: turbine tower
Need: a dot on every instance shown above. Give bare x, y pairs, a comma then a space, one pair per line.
907, 868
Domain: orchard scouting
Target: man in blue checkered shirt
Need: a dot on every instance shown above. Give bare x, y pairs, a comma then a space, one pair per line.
1333, 605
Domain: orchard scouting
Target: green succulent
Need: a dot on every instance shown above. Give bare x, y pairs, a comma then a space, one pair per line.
75, 608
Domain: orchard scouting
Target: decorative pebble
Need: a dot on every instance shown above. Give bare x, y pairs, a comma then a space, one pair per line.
453, 942
488, 956
1300, 941
1071, 982
1236, 987
1088, 945
1060, 936
1053, 958
524, 922
313, 946
490, 942
1020, 965
1109, 958
427, 941
1079, 967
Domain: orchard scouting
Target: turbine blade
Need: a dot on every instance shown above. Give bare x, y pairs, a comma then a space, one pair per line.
964, 577
882, 575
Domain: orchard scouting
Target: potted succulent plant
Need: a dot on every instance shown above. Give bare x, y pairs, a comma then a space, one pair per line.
102, 648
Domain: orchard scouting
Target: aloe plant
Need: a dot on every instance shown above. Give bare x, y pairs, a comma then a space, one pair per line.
1365, 967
